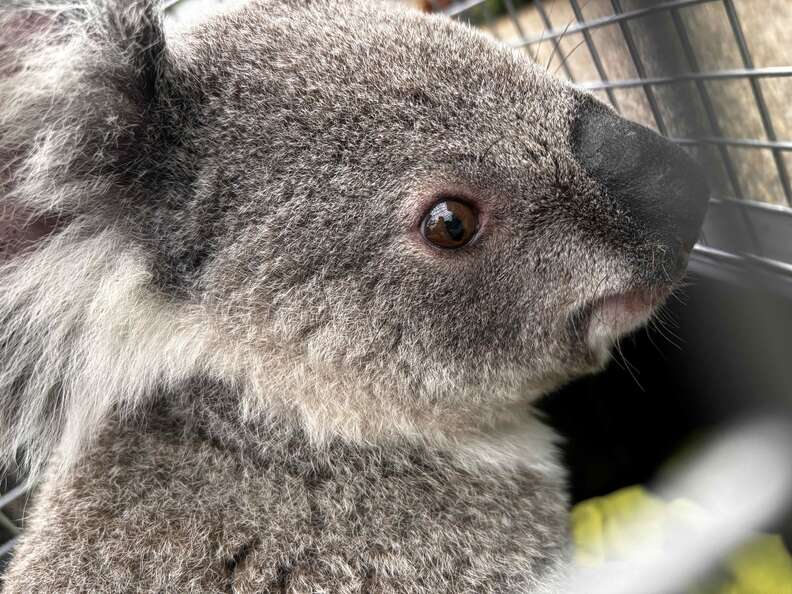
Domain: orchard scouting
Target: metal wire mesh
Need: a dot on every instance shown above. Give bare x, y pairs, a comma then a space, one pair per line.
686, 68
13, 498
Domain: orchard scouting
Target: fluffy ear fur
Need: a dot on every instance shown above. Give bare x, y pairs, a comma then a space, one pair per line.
78, 86
82, 92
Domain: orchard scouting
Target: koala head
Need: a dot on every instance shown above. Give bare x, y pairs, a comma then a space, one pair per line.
378, 222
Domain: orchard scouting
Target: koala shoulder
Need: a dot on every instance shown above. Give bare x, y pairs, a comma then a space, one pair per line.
204, 511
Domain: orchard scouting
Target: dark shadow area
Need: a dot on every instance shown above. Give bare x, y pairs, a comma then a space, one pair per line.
732, 361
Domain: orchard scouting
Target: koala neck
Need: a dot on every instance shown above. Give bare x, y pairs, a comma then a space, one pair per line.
328, 405
84, 337
332, 401
512, 436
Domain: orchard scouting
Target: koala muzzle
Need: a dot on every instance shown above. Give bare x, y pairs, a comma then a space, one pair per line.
653, 181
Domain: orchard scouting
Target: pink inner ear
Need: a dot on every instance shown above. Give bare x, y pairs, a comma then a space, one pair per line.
19, 233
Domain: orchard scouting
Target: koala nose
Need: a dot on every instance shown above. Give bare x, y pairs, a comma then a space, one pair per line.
658, 185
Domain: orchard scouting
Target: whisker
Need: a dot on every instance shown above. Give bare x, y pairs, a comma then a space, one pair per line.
629, 367
565, 58
556, 41
649, 331
662, 322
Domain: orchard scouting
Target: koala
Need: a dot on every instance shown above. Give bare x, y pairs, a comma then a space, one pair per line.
280, 293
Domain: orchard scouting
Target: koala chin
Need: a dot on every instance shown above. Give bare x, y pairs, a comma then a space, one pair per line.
278, 293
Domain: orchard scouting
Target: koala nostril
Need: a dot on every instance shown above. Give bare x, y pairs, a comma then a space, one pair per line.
648, 176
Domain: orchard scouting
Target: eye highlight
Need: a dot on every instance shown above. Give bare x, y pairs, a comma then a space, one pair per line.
450, 224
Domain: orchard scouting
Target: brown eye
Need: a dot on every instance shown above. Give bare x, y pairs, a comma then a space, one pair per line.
450, 224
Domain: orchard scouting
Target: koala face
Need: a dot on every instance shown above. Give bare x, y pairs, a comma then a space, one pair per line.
390, 222
328, 134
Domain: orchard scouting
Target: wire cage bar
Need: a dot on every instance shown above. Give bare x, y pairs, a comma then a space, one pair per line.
742, 228
13, 500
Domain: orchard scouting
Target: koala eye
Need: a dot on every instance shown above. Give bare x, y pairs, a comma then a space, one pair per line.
450, 224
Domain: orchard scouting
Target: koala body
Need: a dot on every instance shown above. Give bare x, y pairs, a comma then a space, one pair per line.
227, 335
194, 500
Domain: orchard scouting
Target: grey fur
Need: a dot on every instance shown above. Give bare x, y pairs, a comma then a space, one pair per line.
227, 227
225, 506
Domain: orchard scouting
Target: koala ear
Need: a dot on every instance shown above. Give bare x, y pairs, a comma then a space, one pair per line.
81, 85
131, 31
135, 30
86, 92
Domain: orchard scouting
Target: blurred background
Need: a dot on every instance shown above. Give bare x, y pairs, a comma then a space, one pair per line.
715, 76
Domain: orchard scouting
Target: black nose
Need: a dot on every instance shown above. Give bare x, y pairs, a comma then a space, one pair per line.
654, 181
